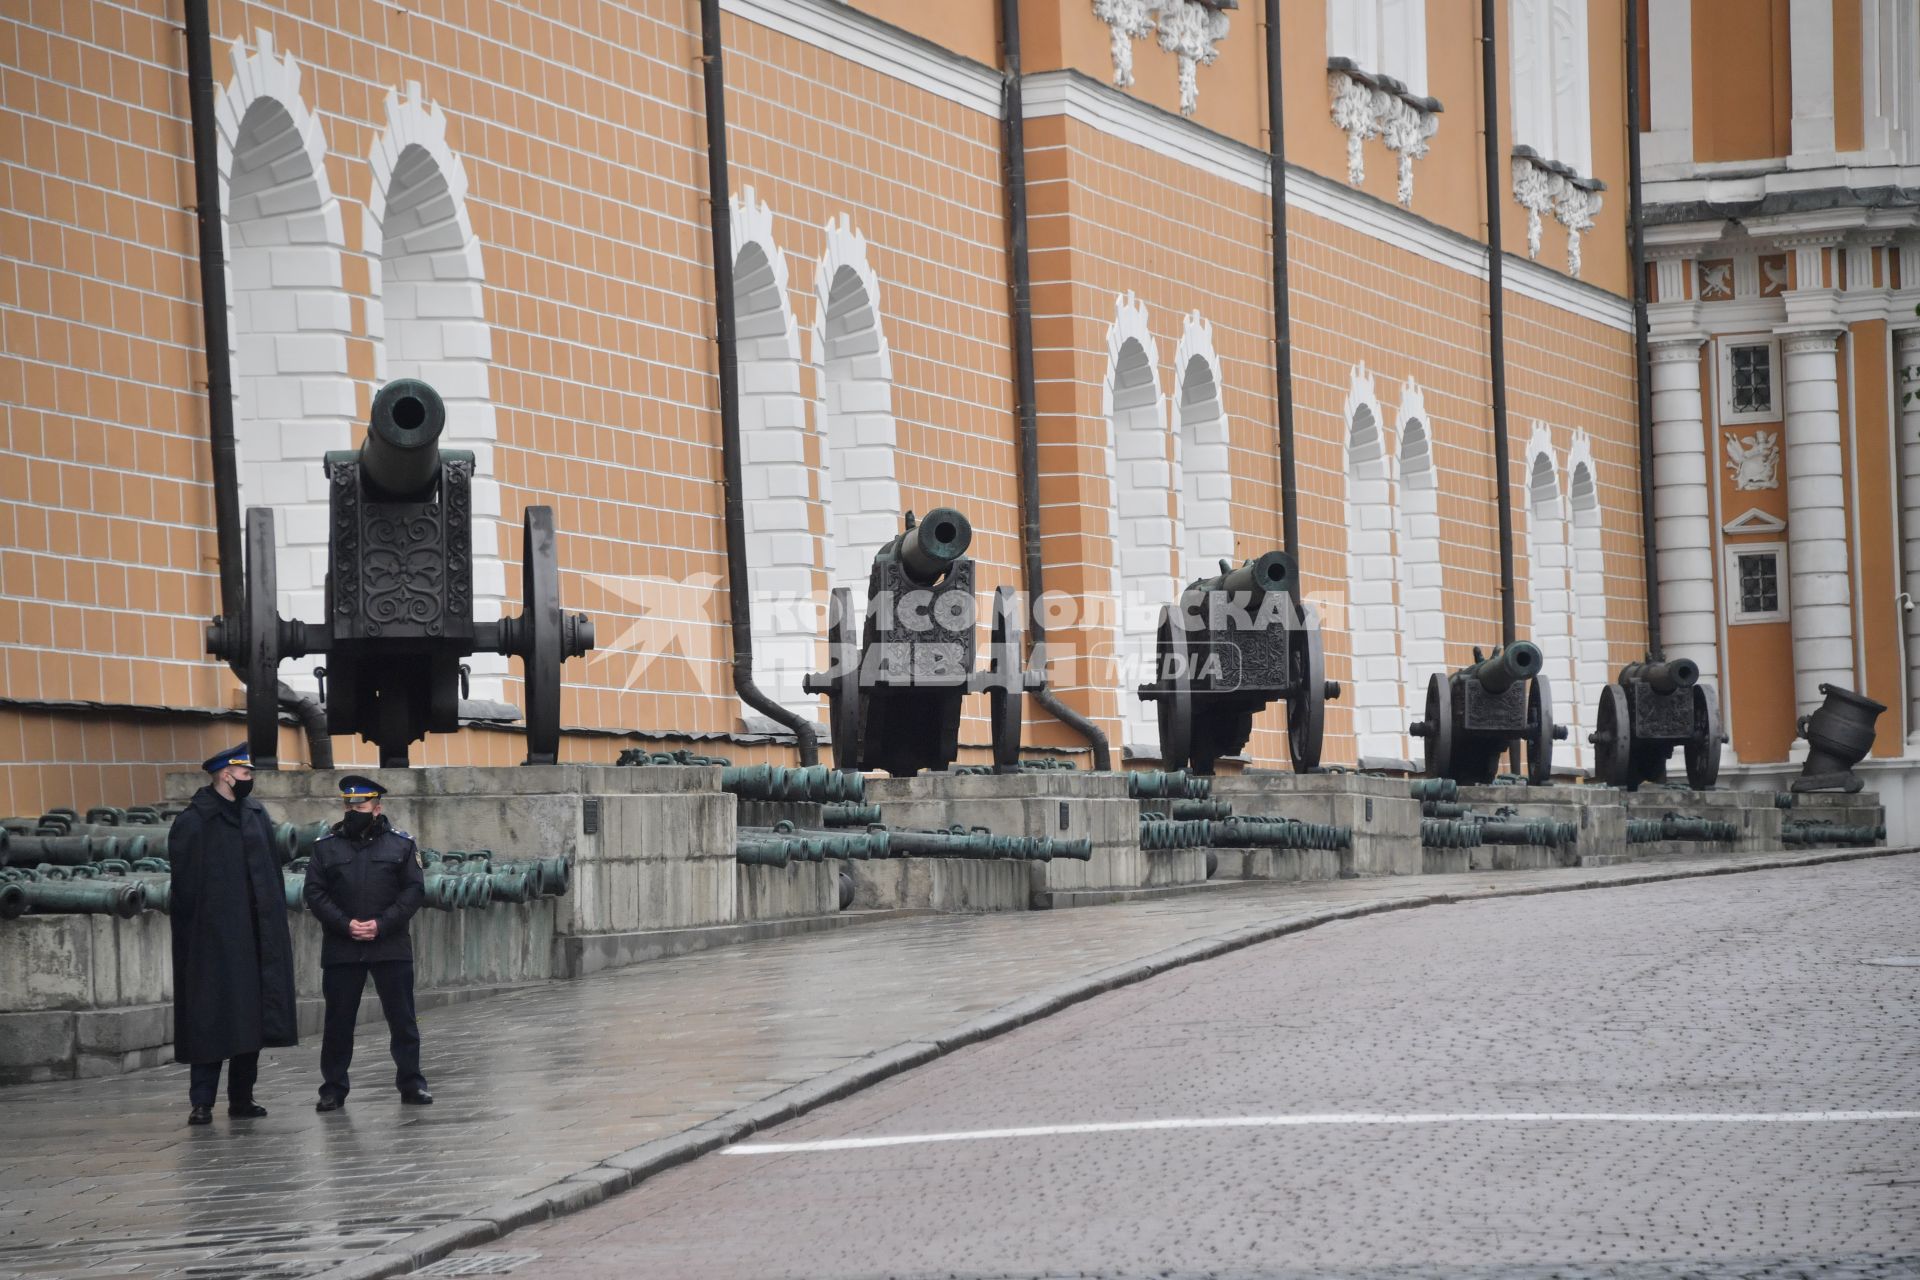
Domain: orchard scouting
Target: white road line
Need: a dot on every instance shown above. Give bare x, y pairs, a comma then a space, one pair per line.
1348, 1118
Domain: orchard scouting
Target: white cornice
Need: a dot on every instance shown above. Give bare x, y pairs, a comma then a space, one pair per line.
842, 30
1070, 94
845, 32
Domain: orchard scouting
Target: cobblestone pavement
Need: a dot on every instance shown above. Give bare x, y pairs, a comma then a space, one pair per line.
102, 1177
1756, 995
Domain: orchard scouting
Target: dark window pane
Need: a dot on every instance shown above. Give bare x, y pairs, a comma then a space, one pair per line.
1752, 380
1760, 583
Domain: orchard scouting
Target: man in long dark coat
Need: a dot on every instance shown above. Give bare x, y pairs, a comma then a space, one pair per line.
232, 954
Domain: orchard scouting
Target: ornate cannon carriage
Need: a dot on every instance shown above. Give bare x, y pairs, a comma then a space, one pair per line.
399, 596
1229, 646
1651, 709
1474, 715
894, 696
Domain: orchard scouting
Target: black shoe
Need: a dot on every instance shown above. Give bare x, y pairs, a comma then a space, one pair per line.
200, 1115
329, 1103
418, 1098
248, 1110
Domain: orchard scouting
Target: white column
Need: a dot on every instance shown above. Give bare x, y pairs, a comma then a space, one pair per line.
1821, 585
1906, 348
1810, 41
1682, 514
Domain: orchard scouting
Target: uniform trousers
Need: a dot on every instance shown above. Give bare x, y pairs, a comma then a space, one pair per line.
342, 984
203, 1079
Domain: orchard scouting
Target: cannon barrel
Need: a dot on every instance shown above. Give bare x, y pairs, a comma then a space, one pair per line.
926, 550
402, 453
123, 898
1665, 677
1274, 571
1507, 666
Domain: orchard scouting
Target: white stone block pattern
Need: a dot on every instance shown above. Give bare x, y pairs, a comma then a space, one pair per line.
1820, 588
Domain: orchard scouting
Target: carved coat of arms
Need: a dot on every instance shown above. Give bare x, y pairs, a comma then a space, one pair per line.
1754, 460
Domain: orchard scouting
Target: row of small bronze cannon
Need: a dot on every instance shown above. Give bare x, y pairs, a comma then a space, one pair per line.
786, 843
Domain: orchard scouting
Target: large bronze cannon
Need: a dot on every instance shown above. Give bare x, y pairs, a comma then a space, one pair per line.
1226, 648
399, 596
1651, 709
894, 698
1475, 714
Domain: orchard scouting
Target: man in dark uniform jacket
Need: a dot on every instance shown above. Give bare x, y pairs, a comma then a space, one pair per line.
364, 882
232, 954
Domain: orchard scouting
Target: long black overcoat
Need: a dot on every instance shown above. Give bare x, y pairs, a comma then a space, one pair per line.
232, 954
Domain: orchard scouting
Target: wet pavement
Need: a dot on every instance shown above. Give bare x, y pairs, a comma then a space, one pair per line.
102, 1177
1592, 1084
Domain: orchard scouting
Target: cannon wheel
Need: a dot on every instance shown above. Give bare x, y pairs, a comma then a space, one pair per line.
1702, 750
1006, 695
1306, 695
1540, 731
1439, 721
1613, 738
543, 650
843, 677
1174, 706
260, 662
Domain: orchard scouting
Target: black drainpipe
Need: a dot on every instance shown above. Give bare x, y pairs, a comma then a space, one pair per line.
1282, 319
213, 315
739, 601
1014, 118
1643, 378
1497, 312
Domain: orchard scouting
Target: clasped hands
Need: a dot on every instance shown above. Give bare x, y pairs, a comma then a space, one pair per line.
363, 930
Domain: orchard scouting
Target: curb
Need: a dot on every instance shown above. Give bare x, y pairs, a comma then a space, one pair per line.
626, 1170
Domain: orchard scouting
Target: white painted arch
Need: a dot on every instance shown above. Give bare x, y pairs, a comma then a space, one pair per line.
1142, 463
1592, 664
1550, 587
427, 318
855, 381
1373, 616
1422, 574
289, 313
780, 482
1202, 453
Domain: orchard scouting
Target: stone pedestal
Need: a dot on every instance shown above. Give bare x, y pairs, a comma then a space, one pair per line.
1385, 820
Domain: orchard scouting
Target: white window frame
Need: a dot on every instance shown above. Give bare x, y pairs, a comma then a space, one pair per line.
1734, 550
1773, 412
1382, 38
1550, 114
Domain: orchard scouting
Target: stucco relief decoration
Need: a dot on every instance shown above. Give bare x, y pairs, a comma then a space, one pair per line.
1773, 275
1754, 460
1716, 280
1540, 187
1130, 20
1191, 31
1367, 106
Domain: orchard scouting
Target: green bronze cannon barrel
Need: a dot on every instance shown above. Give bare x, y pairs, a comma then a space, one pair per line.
123, 898
160, 894
1443, 809
1447, 789
817, 784
1673, 826
926, 550
401, 456
1506, 667
1196, 810
1449, 833
294, 885
1664, 677
61, 851
762, 849
1508, 827
1173, 784
1158, 831
850, 815
13, 900
1825, 832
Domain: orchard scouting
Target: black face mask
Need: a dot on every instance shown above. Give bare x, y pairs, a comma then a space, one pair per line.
356, 824
241, 786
